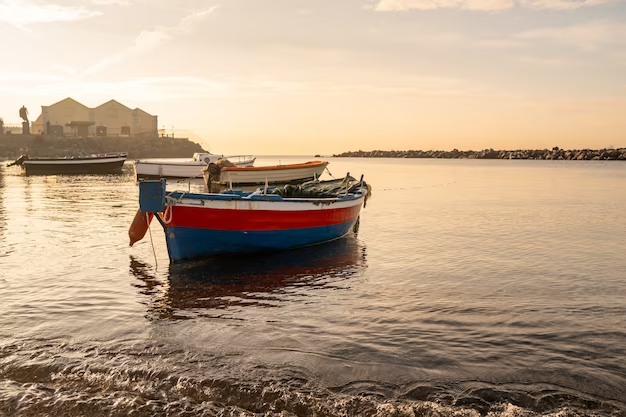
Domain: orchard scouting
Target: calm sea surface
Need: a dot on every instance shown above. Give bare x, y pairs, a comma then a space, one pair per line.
472, 287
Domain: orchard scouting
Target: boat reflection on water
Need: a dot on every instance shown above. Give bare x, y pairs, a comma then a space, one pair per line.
196, 289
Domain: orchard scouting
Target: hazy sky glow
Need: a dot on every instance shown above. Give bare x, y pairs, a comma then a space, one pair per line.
327, 76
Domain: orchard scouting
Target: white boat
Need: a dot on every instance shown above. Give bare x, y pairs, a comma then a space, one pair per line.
163, 168
275, 174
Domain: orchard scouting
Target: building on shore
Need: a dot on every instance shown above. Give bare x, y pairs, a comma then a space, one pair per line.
68, 117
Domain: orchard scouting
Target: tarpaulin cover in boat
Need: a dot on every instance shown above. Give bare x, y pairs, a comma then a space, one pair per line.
319, 189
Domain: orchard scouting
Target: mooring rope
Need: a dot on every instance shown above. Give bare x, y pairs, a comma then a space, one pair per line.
327, 170
169, 203
156, 264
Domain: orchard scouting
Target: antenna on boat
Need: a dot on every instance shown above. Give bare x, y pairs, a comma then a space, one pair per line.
265, 190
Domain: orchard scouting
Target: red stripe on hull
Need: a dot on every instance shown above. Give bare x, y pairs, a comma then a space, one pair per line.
254, 220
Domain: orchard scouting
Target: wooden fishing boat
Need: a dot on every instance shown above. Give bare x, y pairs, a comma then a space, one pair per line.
274, 174
234, 222
173, 168
109, 163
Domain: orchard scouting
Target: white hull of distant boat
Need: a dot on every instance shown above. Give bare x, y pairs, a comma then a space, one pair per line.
276, 174
162, 168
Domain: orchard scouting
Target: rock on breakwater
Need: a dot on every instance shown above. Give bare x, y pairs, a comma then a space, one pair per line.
549, 154
11, 146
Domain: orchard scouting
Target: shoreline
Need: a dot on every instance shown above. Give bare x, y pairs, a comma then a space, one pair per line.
618, 154
12, 146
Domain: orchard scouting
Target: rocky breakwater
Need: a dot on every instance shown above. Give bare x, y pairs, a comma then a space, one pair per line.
543, 154
12, 146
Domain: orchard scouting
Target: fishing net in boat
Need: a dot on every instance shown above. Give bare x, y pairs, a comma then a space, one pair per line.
318, 189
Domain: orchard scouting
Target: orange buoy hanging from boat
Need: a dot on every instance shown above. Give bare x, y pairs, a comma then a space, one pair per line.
139, 226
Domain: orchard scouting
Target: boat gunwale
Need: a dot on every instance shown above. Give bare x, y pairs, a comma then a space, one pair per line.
187, 162
309, 164
76, 158
74, 161
181, 163
179, 196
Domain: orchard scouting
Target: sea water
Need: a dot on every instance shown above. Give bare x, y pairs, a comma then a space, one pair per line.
471, 287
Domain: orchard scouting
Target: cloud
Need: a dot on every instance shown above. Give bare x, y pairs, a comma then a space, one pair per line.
561, 4
484, 5
188, 23
148, 88
64, 69
10, 78
186, 88
402, 5
587, 36
151, 39
22, 13
498, 43
112, 2
552, 62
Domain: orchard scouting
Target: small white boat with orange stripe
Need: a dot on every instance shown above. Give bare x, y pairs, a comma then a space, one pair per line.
272, 174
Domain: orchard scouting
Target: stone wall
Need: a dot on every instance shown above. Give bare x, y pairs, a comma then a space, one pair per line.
12, 146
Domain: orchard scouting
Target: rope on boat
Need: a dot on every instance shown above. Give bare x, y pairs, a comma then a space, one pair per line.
169, 203
156, 264
167, 213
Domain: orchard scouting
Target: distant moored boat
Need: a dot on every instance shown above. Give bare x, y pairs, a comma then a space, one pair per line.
172, 168
109, 163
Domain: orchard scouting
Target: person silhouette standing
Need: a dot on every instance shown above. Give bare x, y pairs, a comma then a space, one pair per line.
25, 124
24, 113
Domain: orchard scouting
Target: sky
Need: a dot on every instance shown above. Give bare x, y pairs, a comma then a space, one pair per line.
329, 76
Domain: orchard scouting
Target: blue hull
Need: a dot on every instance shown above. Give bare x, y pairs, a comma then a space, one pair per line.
188, 243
